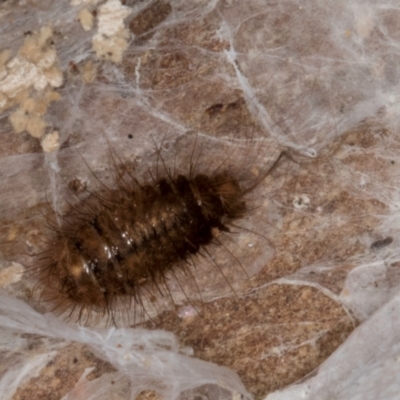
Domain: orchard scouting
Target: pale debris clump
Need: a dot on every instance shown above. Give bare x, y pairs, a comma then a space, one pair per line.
111, 39
35, 67
89, 72
29, 115
11, 275
86, 19
51, 142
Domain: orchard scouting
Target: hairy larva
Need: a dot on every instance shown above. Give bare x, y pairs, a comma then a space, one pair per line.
117, 249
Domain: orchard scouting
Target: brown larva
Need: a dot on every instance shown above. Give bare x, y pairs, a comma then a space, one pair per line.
115, 248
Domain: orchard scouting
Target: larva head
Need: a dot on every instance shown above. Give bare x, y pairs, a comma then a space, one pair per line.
66, 282
220, 195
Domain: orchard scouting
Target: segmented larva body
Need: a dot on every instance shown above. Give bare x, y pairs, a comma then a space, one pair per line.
116, 245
